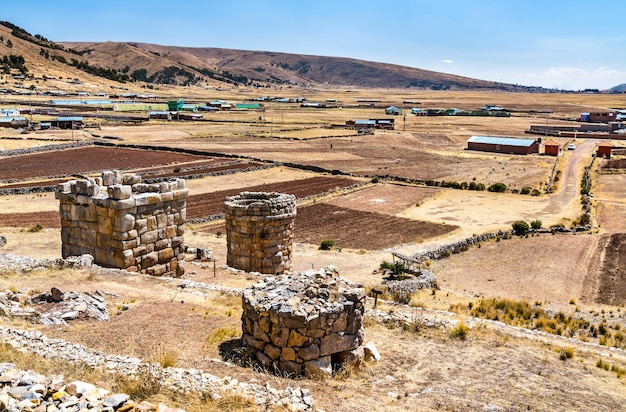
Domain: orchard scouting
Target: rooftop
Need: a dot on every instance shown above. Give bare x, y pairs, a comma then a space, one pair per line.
504, 141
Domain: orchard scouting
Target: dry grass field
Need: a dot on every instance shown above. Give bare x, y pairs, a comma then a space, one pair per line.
494, 367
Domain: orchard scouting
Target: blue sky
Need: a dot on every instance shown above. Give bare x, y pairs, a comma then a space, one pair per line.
564, 44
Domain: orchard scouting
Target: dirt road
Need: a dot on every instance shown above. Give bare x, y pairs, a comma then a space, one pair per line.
495, 211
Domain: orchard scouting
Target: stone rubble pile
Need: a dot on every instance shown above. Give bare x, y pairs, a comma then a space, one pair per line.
426, 280
15, 263
430, 318
54, 307
178, 379
29, 391
302, 324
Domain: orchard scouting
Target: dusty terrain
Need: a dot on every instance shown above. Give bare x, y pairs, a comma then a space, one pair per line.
422, 368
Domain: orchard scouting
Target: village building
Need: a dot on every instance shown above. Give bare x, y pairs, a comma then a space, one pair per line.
604, 150
393, 110
552, 148
68, 122
498, 144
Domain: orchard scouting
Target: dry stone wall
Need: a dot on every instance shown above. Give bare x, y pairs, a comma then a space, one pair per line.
259, 231
302, 324
124, 223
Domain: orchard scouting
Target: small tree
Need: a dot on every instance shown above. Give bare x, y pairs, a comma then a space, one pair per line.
9, 44
520, 228
536, 224
497, 187
327, 244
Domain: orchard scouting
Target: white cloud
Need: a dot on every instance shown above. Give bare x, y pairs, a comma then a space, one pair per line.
576, 78
447, 61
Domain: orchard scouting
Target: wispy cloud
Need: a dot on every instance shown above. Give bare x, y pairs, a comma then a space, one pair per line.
577, 78
447, 61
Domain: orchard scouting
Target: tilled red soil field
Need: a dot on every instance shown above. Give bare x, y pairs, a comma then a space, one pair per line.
85, 160
357, 229
208, 204
49, 219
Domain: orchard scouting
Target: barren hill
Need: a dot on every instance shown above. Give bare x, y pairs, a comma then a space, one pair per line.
263, 67
113, 63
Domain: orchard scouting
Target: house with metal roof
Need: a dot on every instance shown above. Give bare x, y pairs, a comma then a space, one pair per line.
499, 144
68, 122
13, 122
393, 110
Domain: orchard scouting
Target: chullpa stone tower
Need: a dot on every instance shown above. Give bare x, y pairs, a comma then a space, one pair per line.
259, 231
124, 223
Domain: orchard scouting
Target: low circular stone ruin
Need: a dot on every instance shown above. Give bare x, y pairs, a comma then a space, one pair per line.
259, 231
303, 324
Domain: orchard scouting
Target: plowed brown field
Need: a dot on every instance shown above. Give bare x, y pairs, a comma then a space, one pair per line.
208, 204
84, 160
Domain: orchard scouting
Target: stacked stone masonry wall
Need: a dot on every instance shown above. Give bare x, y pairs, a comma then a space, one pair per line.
124, 223
259, 231
303, 324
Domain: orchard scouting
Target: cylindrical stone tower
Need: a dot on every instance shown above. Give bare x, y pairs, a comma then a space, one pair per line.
259, 231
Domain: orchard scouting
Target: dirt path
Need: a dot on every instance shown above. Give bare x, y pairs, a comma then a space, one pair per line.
571, 178
495, 211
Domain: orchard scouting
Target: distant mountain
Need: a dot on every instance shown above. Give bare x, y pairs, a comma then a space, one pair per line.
621, 88
112, 63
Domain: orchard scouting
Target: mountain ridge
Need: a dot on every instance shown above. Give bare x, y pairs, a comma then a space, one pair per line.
147, 64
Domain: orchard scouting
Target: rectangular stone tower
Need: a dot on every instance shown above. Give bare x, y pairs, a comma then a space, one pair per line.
124, 223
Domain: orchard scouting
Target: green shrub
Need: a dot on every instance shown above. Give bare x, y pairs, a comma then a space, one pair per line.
520, 228
535, 192
536, 224
526, 190
396, 268
497, 187
327, 244
375, 179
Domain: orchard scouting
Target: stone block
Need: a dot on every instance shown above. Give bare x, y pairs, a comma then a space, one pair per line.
149, 237
320, 368
288, 353
371, 352
124, 222
166, 255
296, 338
119, 192
272, 351
335, 343
279, 336
131, 178
149, 259
309, 352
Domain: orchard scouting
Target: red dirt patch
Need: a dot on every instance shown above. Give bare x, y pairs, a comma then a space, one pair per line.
388, 199
84, 160
50, 220
357, 229
208, 204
